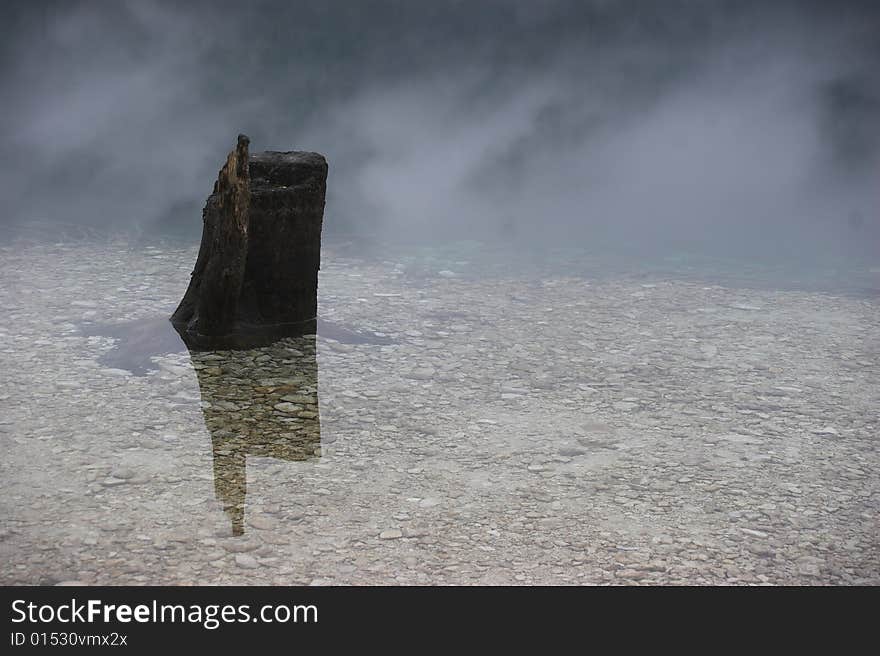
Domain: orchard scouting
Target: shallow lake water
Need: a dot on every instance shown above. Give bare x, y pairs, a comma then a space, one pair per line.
572, 419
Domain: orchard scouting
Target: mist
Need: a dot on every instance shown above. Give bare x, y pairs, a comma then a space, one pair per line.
724, 128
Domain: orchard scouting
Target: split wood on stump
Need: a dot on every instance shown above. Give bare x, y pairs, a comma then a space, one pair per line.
256, 275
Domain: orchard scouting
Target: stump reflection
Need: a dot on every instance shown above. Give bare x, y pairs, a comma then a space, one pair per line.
261, 402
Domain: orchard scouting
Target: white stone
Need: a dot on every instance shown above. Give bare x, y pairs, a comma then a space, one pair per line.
246, 561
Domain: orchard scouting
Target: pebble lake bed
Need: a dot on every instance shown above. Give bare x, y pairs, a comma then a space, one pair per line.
455, 421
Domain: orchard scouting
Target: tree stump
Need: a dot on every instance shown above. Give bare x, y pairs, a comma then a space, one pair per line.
256, 275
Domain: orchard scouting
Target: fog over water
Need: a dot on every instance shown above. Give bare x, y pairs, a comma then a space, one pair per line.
598, 302
743, 128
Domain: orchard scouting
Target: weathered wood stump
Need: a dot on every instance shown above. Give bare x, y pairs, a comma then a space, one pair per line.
256, 275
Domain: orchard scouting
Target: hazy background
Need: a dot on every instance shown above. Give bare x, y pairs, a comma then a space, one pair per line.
748, 128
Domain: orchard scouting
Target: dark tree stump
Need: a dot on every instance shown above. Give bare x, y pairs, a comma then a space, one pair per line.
256, 275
